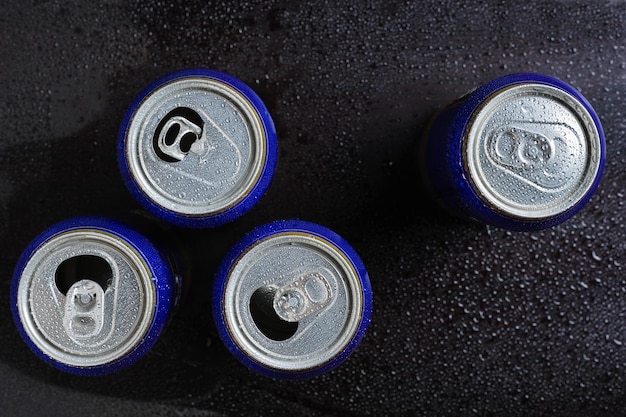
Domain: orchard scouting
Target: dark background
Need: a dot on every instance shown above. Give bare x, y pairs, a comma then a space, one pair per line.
468, 319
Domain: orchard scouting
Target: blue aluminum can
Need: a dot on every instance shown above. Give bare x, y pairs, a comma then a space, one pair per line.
91, 295
522, 152
197, 148
292, 300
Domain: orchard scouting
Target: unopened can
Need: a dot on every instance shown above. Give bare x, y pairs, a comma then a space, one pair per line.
292, 299
197, 148
523, 152
91, 295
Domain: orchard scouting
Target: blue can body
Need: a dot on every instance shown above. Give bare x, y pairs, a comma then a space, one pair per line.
445, 171
164, 282
247, 243
232, 212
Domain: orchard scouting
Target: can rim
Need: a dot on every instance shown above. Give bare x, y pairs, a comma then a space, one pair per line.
157, 265
488, 192
480, 209
269, 230
257, 188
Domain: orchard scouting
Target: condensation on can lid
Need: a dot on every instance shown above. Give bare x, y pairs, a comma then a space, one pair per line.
293, 302
195, 145
532, 151
85, 298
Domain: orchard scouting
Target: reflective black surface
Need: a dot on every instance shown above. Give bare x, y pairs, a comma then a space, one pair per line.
468, 320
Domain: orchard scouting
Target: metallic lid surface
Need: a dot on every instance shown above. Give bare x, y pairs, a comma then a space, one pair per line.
532, 151
85, 316
197, 148
292, 299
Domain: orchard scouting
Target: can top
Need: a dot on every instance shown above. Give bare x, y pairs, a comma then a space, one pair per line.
293, 301
533, 150
196, 144
84, 298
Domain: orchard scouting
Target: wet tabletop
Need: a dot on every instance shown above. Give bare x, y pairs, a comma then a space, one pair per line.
468, 319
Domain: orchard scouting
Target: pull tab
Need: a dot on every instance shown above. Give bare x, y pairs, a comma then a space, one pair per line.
540, 154
179, 136
521, 149
84, 309
302, 297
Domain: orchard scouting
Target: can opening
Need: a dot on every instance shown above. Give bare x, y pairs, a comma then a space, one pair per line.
265, 317
82, 267
172, 133
183, 127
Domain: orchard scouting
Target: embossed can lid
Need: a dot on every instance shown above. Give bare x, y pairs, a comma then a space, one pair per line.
292, 299
198, 148
532, 151
85, 298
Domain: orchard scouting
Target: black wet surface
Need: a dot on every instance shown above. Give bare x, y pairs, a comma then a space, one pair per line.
468, 320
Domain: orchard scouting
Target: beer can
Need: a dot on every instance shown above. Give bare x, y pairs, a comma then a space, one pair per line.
292, 300
523, 152
197, 148
91, 295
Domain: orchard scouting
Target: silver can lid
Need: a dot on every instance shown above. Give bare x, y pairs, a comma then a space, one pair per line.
532, 151
84, 298
195, 146
293, 302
